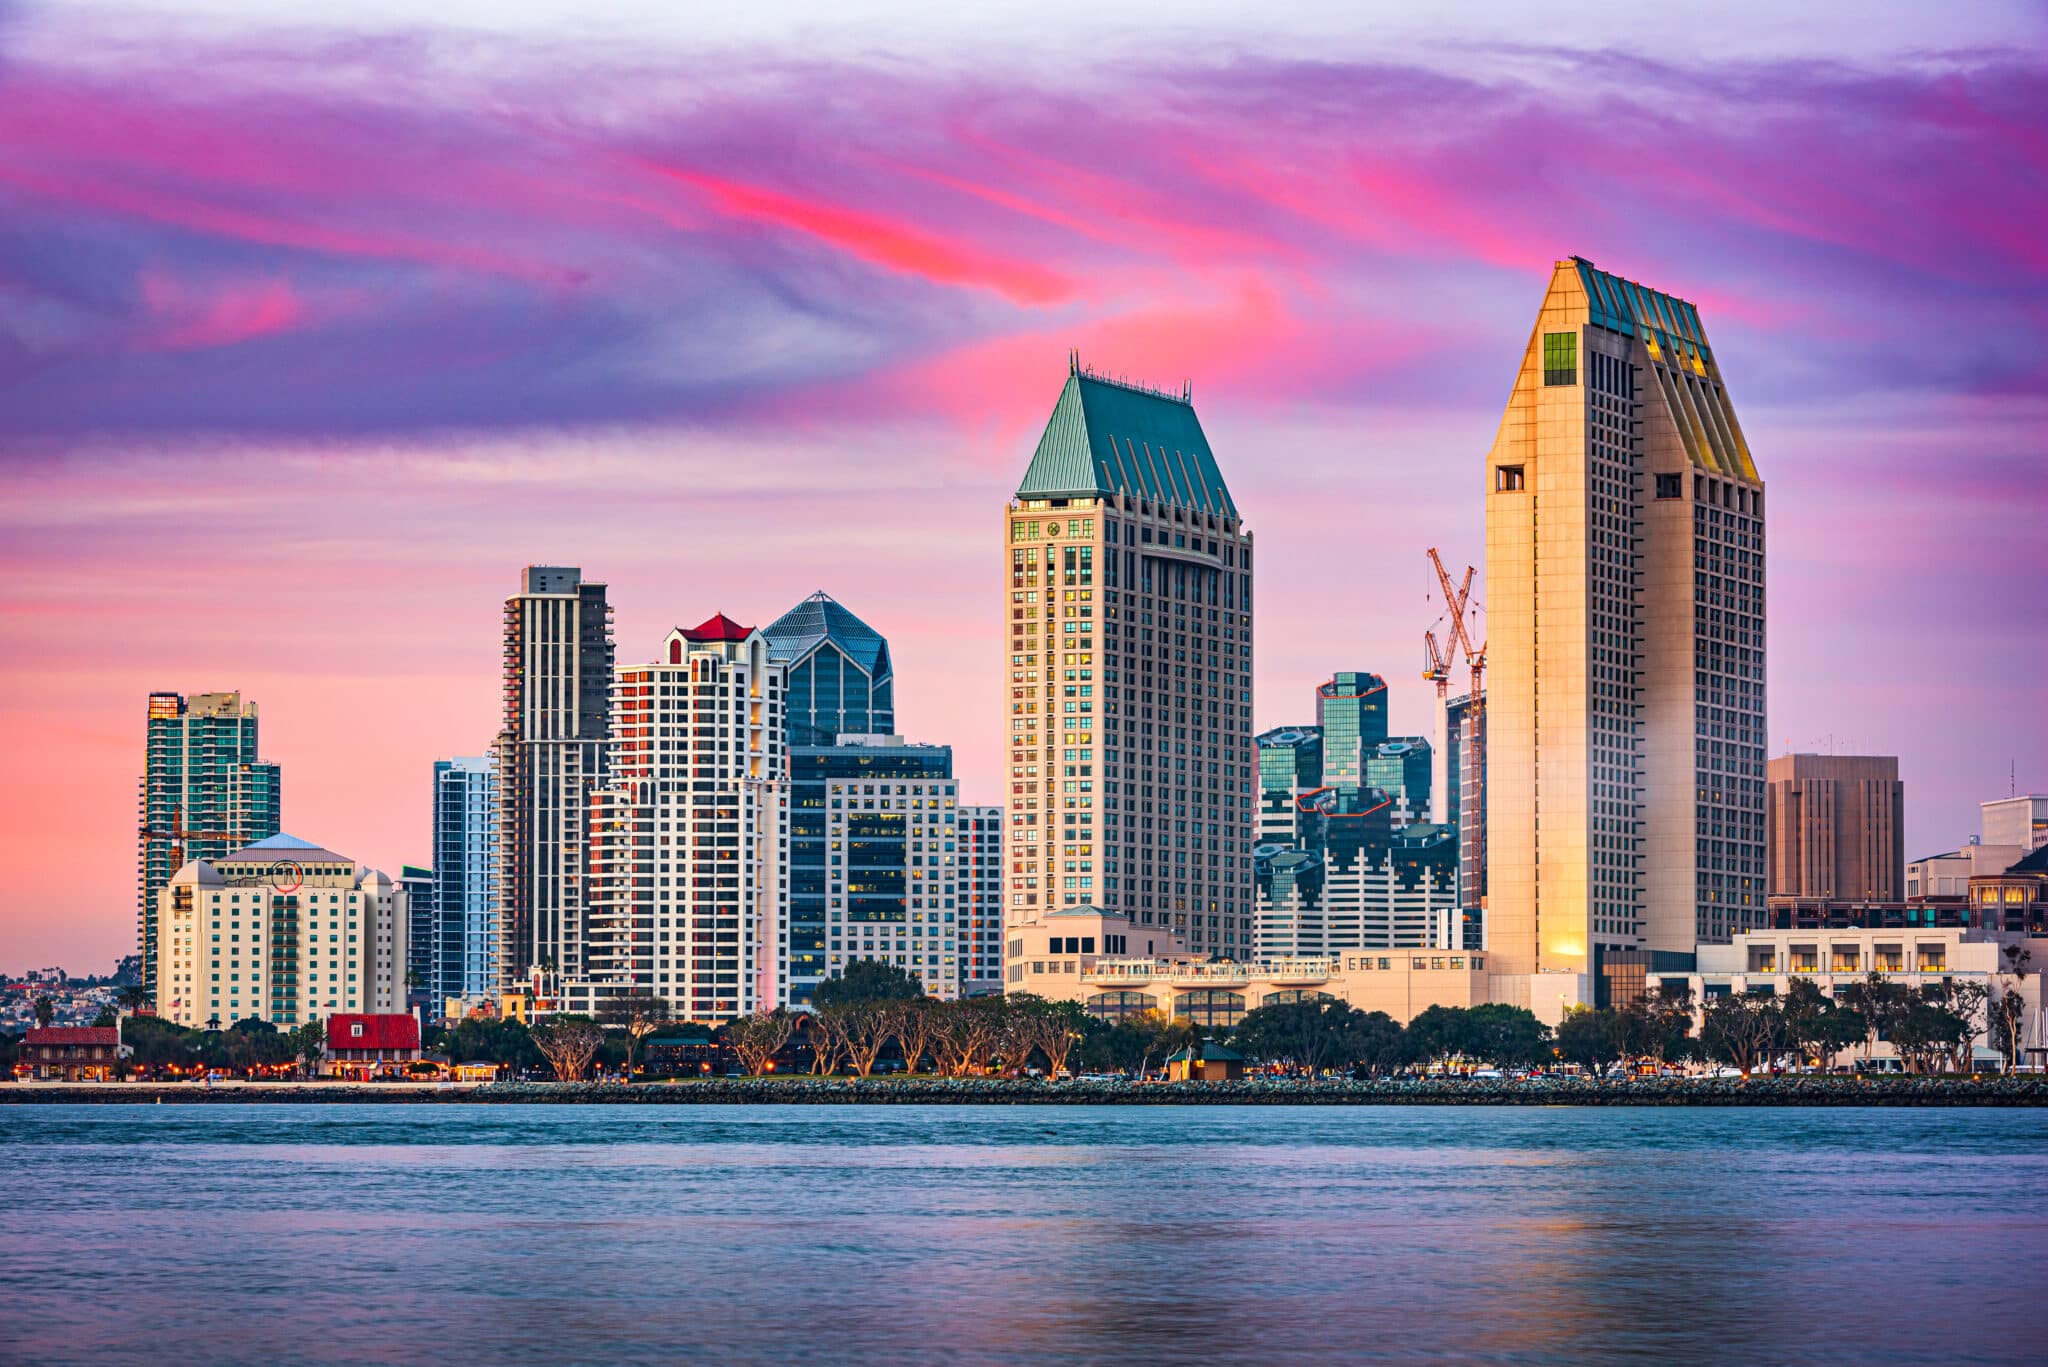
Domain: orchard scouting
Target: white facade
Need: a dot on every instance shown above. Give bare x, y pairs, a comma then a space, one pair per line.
1367, 904
283, 931
465, 959
689, 838
2021, 821
892, 871
1949, 875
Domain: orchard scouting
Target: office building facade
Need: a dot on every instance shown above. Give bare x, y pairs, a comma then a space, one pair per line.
821, 863
284, 931
551, 752
981, 900
422, 930
465, 956
204, 793
1625, 593
689, 835
892, 874
2021, 821
1834, 827
1129, 603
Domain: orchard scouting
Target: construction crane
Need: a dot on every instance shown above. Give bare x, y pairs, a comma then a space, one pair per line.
177, 834
1459, 606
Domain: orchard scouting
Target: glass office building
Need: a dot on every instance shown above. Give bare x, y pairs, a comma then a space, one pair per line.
840, 680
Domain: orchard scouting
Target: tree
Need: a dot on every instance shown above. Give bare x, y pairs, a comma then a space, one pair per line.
1966, 1001
638, 1014
1744, 1030
827, 1044
134, 997
863, 1029
1817, 1025
489, 1039
1380, 1044
568, 1043
1879, 1002
1441, 1032
1506, 1036
309, 1045
46, 1011
2006, 1019
1660, 1023
1926, 1032
914, 1024
868, 980
1593, 1038
1313, 1035
755, 1039
1060, 1026
967, 1033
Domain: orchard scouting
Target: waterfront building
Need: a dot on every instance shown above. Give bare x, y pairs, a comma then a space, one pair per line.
1834, 825
465, 817
892, 869
840, 679
850, 869
1130, 669
422, 932
1921, 958
204, 792
1625, 596
551, 751
2021, 821
71, 1053
1115, 967
688, 837
364, 1045
282, 930
981, 900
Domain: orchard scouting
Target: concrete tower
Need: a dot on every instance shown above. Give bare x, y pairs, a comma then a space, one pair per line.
551, 752
1130, 655
1625, 578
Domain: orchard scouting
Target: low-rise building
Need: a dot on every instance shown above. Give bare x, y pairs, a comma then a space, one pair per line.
71, 1053
1205, 1062
1947, 876
1114, 969
370, 1045
2016, 899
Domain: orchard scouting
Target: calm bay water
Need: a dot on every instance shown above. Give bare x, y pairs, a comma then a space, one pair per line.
508, 1235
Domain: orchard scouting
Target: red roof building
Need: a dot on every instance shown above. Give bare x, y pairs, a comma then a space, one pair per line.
367, 1045
71, 1053
719, 628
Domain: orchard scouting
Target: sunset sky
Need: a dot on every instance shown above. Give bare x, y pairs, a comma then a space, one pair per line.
314, 331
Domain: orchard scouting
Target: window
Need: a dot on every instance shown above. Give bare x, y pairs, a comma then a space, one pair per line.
1507, 479
1671, 486
1560, 358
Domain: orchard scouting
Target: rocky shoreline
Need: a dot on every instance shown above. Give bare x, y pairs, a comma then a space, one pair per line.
924, 1091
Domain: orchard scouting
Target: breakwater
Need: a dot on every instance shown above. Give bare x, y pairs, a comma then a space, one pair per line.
926, 1091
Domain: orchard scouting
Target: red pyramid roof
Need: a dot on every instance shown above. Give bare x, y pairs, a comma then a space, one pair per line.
719, 628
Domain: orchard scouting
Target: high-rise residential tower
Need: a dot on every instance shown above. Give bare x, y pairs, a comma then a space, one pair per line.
840, 679
204, 793
1130, 670
551, 752
1834, 827
1625, 594
688, 837
981, 900
465, 954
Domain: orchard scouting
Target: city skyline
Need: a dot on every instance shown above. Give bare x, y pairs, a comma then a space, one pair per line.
220, 473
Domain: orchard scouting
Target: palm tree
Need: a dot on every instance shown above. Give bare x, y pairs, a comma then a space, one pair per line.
135, 996
46, 1011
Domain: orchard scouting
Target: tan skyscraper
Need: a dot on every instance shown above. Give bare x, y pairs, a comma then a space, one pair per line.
1833, 826
1130, 653
1625, 595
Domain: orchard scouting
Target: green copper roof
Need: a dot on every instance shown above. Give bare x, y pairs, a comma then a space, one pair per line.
1106, 437
1624, 306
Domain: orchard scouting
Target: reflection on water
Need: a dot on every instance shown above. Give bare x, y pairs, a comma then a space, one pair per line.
258, 1235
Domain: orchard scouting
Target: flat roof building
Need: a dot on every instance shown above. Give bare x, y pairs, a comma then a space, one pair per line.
1834, 826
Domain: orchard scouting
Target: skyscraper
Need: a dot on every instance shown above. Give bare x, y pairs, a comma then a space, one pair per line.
1130, 670
688, 837
550, 753
840, 680
465, 962
204, 793
1351, 712
981, 900
850, 870
422, 929
1625, 591
1834, 826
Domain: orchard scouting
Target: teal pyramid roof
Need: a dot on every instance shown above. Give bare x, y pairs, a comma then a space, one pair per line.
1107, 437
820, 618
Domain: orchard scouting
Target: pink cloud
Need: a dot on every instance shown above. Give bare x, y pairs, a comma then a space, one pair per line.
236, 312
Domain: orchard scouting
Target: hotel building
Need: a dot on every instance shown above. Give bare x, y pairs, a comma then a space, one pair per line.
1129, 660
550, 753
204, 793
688, 837
1625, 592
284, 931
